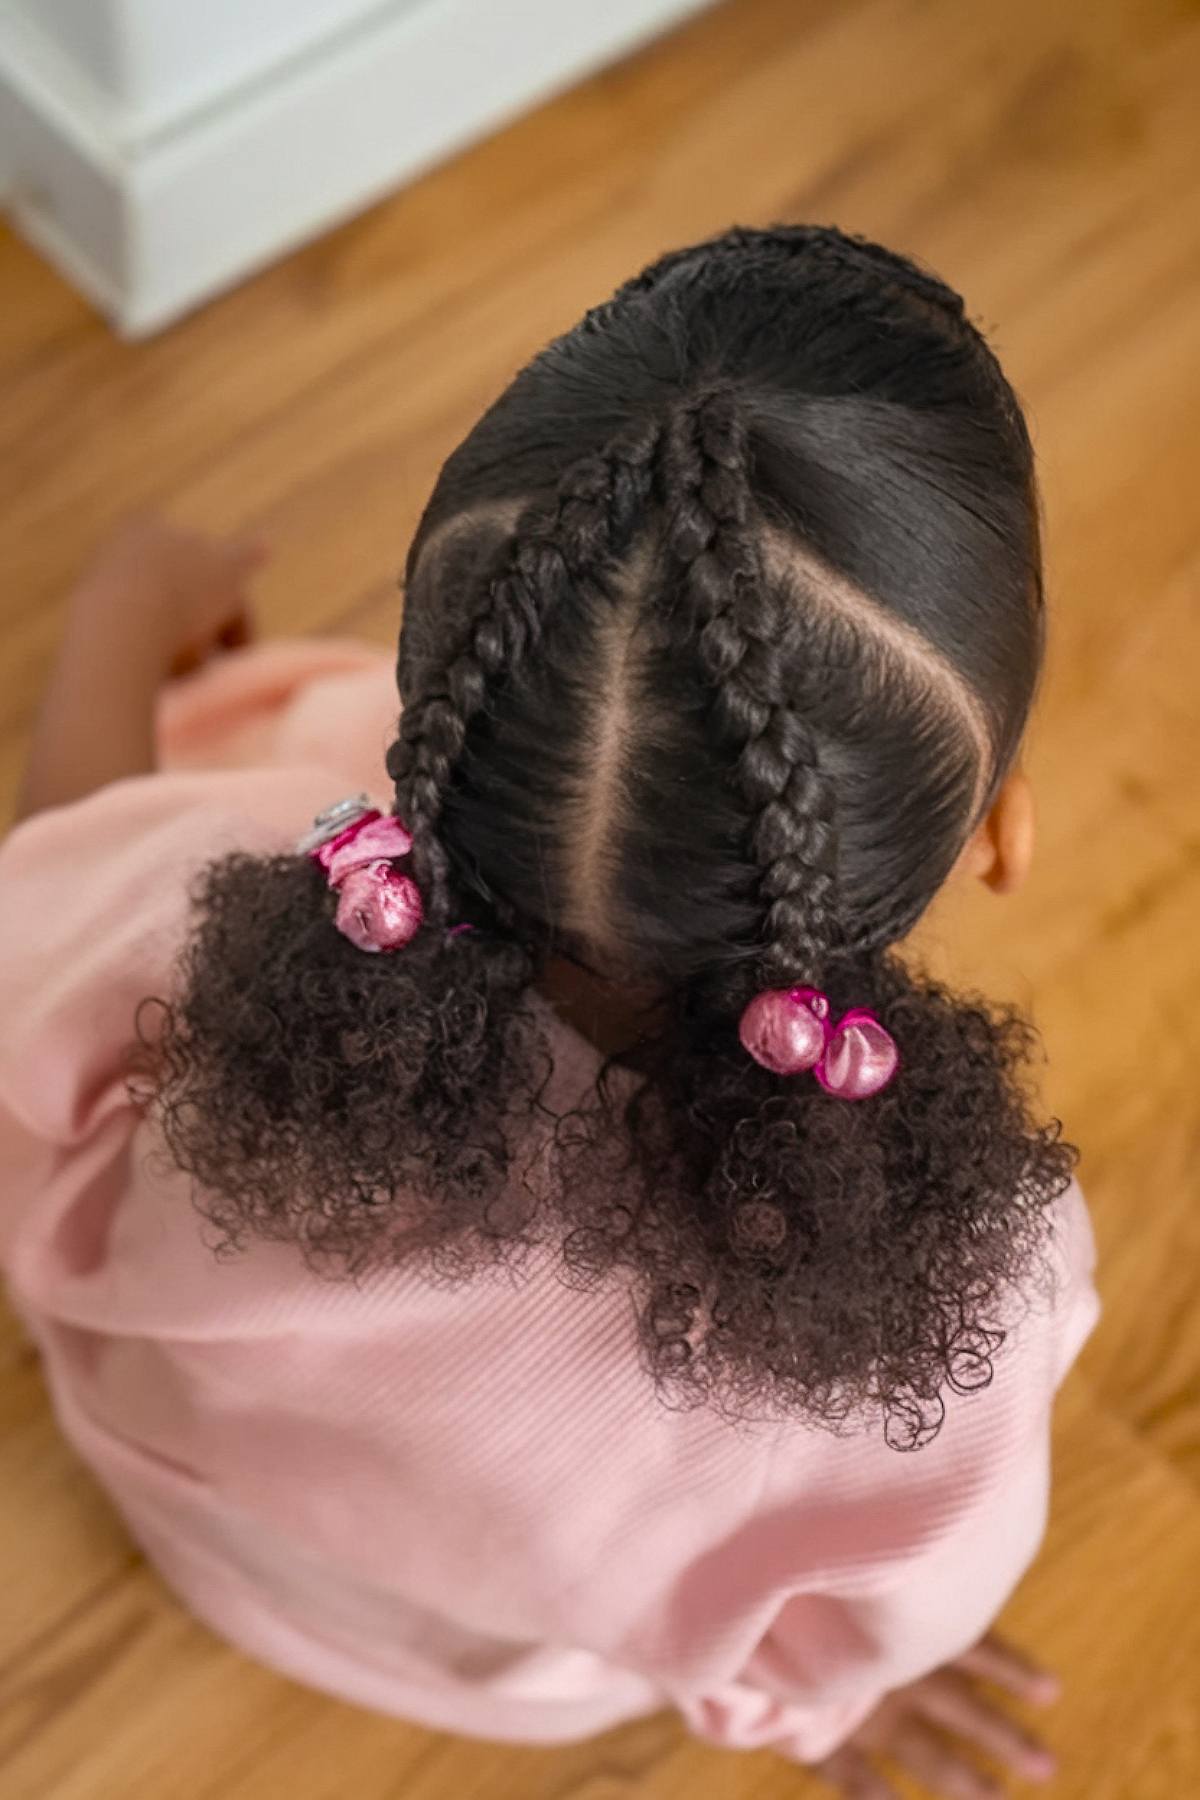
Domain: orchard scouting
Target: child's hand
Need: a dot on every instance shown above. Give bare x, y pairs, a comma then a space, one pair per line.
930, 1729
171, 596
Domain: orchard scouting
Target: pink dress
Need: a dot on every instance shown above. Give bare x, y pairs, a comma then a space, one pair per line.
465, 1507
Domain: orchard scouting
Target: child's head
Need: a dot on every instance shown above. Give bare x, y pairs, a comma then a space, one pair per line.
721, 632
723, 624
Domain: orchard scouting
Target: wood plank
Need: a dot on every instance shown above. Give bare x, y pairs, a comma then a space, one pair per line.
1045, 157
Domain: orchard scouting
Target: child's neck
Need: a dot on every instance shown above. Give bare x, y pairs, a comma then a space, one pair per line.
611, 1016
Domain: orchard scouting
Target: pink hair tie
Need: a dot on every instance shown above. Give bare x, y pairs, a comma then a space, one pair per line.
789, 1031
378, 907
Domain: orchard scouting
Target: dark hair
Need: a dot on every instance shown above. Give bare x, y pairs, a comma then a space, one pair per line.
722, 628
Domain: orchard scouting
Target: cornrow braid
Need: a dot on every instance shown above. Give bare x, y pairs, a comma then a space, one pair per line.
738, 622
826, 243
599, 502
826, 248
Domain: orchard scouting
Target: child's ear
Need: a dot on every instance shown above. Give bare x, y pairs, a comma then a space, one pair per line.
1000, 850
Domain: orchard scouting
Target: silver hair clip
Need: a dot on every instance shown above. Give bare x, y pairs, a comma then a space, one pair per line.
334, 819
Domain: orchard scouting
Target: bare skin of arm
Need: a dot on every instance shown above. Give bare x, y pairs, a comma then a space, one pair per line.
156, 603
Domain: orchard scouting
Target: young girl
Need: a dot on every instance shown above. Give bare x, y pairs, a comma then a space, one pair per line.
620, 1276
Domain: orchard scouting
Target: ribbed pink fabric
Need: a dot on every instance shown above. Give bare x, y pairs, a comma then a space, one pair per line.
465, 1507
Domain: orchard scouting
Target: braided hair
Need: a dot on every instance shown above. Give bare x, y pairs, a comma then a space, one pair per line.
580, 536
737, 622
721, 630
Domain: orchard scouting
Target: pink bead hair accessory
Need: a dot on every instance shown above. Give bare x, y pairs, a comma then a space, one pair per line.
789, 1031
378, 907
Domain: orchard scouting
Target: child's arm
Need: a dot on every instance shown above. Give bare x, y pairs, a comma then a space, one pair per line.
156, 602
882, 1579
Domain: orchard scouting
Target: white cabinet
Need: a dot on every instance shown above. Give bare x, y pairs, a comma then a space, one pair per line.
159, 150
156, 59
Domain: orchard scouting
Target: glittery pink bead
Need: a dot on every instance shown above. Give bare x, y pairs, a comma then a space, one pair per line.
785, 1029
378, 908
861, 1058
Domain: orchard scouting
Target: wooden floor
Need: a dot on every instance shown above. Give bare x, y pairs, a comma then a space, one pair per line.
1044, 154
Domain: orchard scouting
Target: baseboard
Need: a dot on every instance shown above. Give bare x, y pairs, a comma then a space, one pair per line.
150, 229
